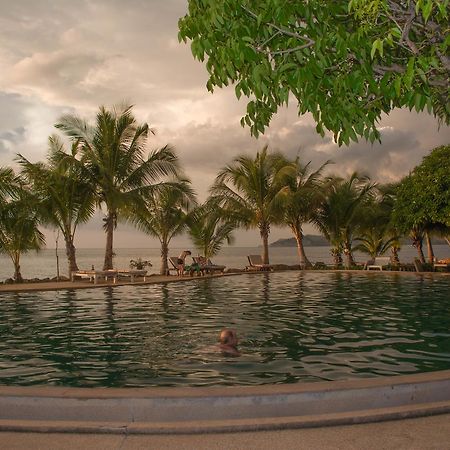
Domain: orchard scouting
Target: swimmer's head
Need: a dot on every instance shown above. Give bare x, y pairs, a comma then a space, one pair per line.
228, 337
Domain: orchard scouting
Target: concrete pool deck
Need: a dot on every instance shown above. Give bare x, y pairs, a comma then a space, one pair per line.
424, 433
222, 409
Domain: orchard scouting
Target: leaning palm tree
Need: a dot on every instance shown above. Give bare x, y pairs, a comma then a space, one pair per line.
210, 228
303, 196
112, 156
249, 189
339, 214
67, 198
164, 214
19, 233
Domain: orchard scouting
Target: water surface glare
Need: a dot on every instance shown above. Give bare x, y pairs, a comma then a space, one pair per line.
293, 327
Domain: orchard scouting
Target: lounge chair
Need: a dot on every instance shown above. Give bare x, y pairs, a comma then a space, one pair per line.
173, 260
95, 275
379, 262
441, 264
207, 266
188, 269
132, 274
255, 263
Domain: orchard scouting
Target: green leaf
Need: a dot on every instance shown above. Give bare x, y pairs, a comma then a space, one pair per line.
426, 10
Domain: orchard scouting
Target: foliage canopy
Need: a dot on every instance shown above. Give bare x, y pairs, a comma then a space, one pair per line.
345, 62
423, 197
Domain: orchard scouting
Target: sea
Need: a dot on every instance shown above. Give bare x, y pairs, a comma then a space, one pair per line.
45, 264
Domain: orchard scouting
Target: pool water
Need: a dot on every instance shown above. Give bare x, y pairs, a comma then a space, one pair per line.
293, 327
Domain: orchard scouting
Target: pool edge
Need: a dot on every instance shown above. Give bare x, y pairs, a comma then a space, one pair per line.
217, 409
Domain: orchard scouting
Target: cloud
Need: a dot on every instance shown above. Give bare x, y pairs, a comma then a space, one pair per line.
65, 57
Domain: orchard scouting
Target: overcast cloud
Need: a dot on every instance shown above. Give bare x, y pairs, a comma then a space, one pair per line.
65, 56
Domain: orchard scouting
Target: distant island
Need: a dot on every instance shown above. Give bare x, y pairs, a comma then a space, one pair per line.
309, 240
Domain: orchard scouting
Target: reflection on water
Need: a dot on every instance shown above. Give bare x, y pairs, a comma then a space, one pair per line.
293, 327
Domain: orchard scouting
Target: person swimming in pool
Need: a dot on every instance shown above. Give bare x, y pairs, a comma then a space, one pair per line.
228, 342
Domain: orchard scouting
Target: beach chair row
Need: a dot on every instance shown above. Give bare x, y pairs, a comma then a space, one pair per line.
105, 275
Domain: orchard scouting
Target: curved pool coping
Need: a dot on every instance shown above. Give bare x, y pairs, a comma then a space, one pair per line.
222, 409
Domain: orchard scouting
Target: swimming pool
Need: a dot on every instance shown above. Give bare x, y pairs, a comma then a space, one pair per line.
293, 326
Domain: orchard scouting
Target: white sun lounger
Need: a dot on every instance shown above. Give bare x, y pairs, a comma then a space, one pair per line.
95, 275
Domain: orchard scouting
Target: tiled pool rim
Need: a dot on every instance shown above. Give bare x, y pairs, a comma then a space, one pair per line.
222, 409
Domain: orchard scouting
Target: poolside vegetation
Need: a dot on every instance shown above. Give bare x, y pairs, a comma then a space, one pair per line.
107, 166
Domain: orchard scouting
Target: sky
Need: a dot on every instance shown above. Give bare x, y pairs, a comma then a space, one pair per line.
66, 56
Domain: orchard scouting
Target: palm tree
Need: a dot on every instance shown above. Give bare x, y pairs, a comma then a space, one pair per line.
112, 155
374, 242
67, 199
19, 233
339, 214
210, 228
417, 235
164, 214
249, 190
8, 184
303, 196
377, 233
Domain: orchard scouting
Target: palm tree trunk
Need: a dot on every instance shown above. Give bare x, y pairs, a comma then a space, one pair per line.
418, 243
17, 275
429, 248
336, 253
109, 228
395, 259
70, 252
164, 269
349, 261
264, 231
304, 261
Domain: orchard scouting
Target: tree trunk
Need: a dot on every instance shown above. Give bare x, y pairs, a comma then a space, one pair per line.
109, 228
164, 269
418, 245
395, 259
71, 256
429, 248
17, 275
264, 231
447, 240
349, 261
304, 262
337, 256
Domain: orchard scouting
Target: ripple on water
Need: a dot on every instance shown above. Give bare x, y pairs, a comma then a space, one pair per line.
292, 326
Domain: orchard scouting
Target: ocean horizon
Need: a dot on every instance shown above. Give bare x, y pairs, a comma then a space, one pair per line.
44, 263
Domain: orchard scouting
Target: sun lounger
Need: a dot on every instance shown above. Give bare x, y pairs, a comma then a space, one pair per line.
379, 263
95, 275
255, 263
442, 264
173, 260
207, 266
132, 274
